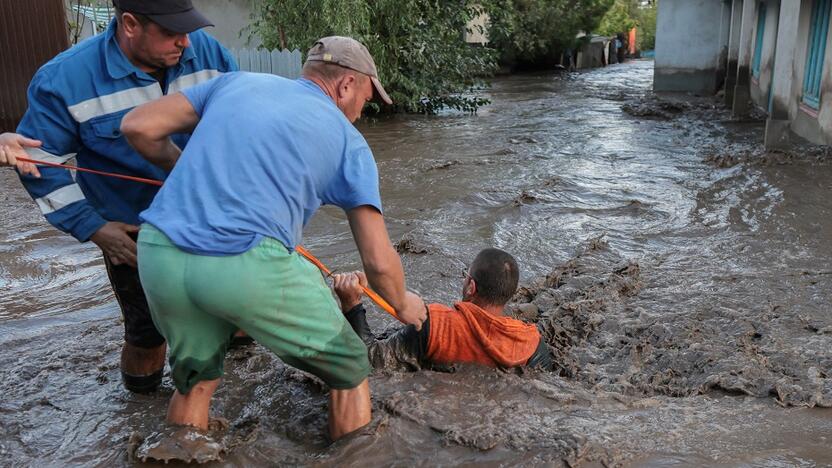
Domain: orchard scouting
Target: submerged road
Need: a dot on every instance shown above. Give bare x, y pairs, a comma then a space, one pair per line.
682, 279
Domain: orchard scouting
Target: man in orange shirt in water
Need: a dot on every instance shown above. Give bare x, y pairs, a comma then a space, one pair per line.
474, 330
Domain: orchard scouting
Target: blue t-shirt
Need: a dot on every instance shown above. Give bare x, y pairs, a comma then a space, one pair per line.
266, 154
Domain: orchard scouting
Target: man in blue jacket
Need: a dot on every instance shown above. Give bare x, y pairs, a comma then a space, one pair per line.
76, 102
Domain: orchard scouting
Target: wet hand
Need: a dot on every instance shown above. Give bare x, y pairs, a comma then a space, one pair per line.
414, 311
114, 240
12, 147
348, 288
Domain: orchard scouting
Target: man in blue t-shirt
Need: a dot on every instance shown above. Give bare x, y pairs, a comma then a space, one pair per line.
217, 247
76, 103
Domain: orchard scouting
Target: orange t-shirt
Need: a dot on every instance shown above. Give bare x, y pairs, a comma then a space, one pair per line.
467, 333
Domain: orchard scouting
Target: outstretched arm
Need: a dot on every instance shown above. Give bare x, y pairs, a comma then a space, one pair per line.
383, 265
403, 350
148, 128
49, 121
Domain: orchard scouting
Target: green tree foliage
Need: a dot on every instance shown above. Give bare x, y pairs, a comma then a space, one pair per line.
627, 14
529, 31
620, 18
417, 45
647, 27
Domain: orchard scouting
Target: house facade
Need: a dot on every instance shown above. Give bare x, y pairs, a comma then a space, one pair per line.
691, 45
776, 57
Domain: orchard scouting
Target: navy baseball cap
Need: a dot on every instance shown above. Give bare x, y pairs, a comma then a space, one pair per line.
178, 16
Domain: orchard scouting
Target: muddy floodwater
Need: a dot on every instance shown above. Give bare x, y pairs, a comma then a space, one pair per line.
681, 276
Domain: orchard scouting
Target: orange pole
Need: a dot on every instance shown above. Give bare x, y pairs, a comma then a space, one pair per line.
369, 292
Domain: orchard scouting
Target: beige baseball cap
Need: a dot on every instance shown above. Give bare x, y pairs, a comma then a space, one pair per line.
348, 53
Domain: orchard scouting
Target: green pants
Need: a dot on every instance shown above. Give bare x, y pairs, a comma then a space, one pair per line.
281, 300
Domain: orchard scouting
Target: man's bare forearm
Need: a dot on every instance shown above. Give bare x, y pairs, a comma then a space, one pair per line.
383, 268
163, 153
148, 128
382, 264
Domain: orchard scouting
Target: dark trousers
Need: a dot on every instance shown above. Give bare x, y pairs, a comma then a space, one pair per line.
139, 329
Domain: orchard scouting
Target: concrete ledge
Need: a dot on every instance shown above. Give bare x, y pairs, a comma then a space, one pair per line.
806, 125
742, 100
730, 84
697, 81
777, 134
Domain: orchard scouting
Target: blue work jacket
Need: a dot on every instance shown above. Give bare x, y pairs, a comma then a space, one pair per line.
76, 103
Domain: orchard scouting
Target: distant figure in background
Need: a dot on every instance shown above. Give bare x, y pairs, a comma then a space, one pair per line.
568, 60
621, 45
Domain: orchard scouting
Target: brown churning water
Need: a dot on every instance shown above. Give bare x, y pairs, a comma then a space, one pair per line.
681, 277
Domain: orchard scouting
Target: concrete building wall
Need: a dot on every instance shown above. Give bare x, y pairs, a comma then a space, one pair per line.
814, 125
689, 45
789, 115
742, 89
682, 54
724, 41
799, 65
783, 91
733, 50
761, 85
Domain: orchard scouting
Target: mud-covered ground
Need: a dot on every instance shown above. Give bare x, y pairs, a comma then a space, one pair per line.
680, 273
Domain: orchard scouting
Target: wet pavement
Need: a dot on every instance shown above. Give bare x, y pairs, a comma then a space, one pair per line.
680, 274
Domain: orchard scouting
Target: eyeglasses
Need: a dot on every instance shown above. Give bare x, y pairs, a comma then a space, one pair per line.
466, 275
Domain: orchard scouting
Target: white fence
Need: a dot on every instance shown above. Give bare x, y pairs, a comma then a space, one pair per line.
277, 62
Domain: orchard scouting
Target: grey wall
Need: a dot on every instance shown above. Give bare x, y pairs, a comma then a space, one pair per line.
733, 51
825, 114
724, 39
760, 86
688, 45
230, 17
816, 126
